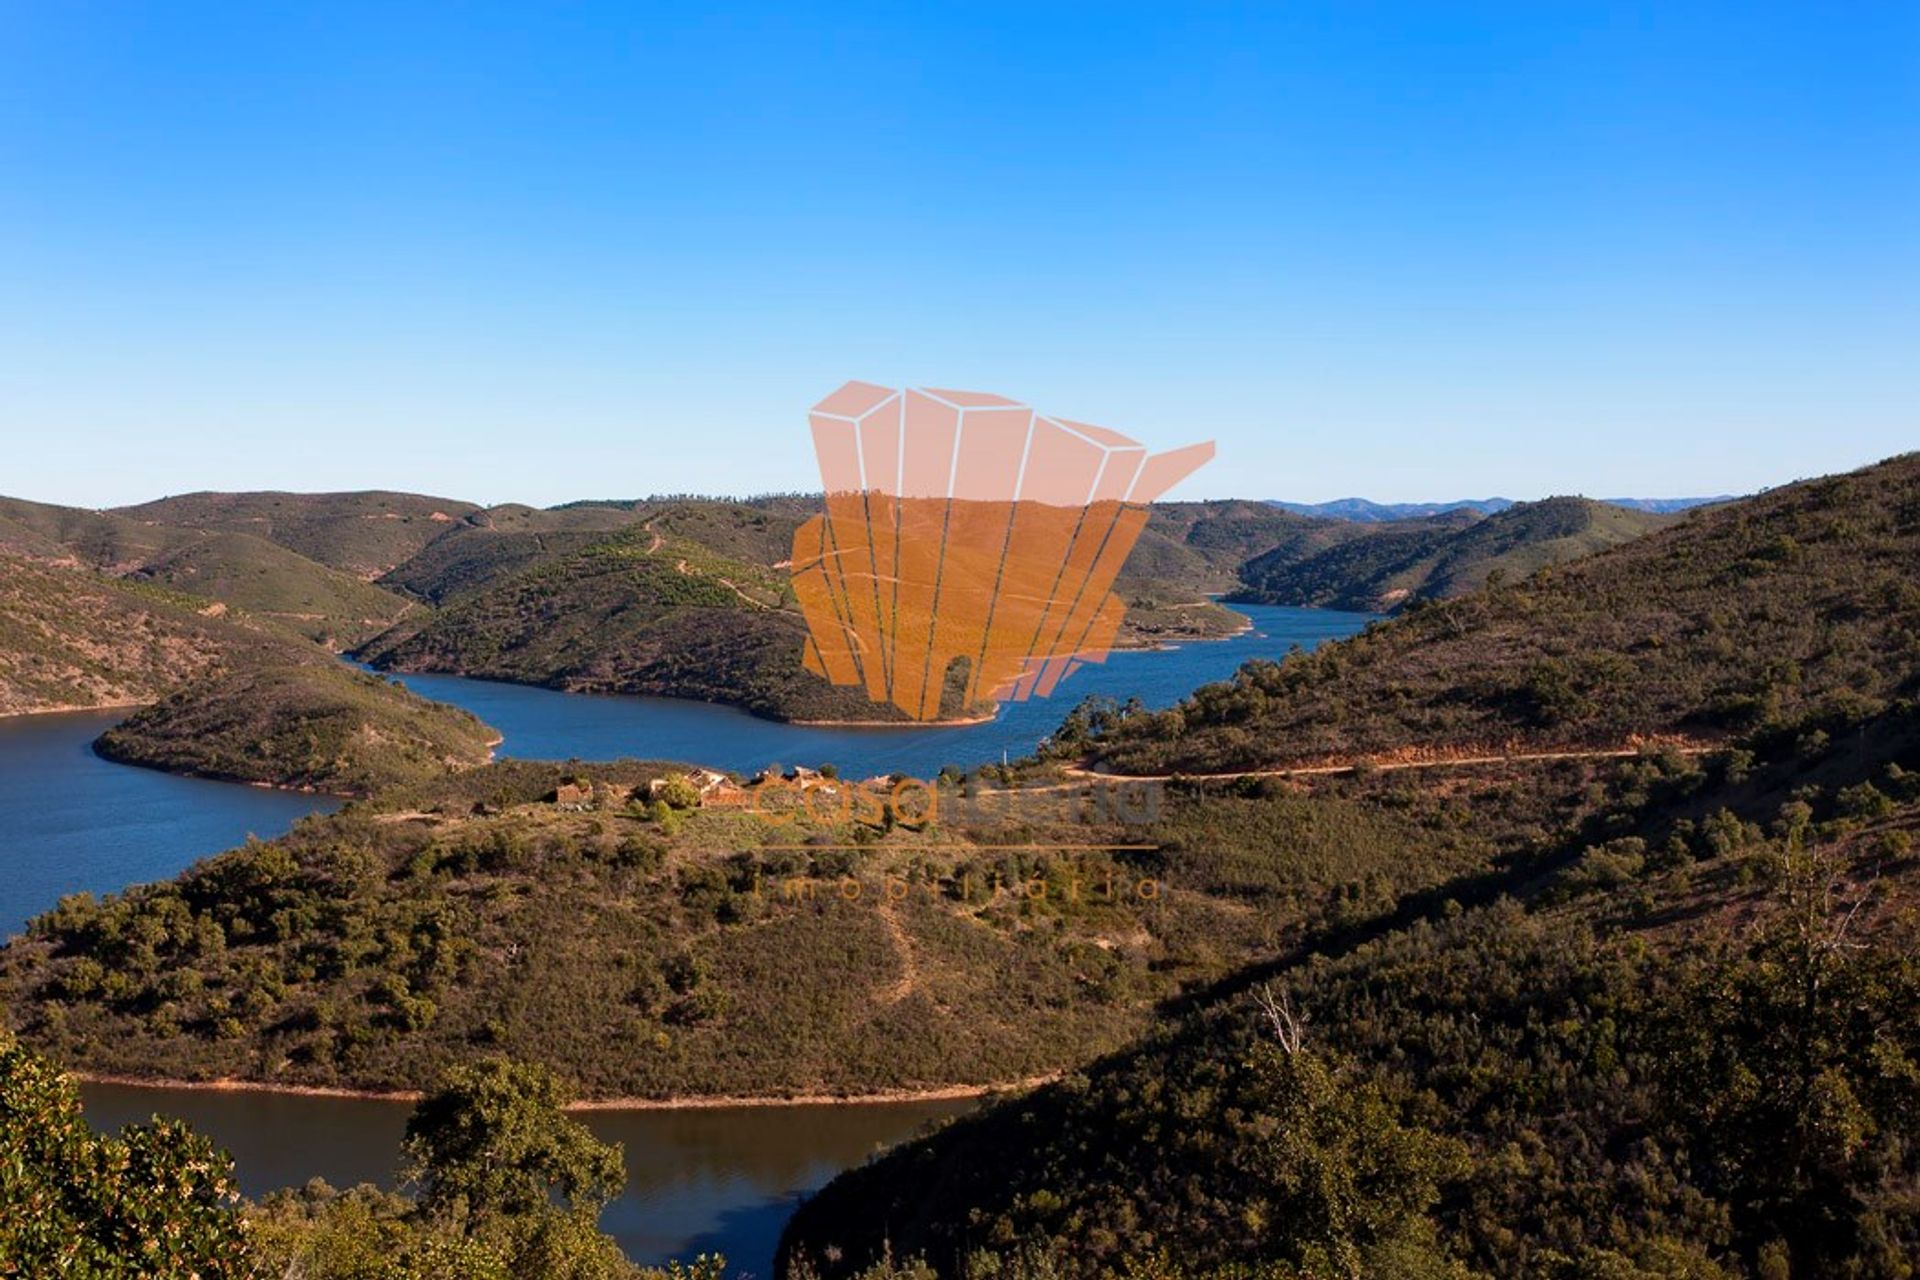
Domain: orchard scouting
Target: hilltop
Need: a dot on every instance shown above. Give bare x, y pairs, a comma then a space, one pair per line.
1365, 511
1447, 555
236, 569
1791, 613
1362, 509
500, 542
365, 534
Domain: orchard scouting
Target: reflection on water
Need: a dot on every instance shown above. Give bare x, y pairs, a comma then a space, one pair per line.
706, 1180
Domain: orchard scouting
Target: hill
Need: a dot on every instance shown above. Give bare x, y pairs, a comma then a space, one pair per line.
646, 610
1226, 534
1447, 555
1363, 511
238, 569
496, 543
1669, 1040
1791, 613
226, 694
555, 914
641, 598
70, 639
1360, 509
1165, 582
315, 726
365, 534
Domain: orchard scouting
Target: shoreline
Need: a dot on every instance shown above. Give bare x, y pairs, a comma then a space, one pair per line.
66, 710
891, 724
684, 1102
201, 775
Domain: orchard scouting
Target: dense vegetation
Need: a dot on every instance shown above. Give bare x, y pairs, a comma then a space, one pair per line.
640, 950
153, 1200
1669, 1029
317, 726
1677, 1038
1787, 615
1441, 557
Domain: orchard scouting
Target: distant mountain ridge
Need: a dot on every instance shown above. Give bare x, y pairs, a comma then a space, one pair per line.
415, 581
1366, 511
1447, 555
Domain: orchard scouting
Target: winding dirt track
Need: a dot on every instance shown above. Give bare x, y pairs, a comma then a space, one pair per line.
1389, 766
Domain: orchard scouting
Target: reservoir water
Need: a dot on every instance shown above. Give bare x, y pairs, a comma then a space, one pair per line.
700, 1180
715, 1180
540, 724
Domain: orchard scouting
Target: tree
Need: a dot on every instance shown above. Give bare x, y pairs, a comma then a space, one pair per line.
494, 1139
1793, 1072
153, 1202
678, 793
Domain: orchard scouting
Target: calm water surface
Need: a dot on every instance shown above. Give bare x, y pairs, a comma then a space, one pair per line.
540, 724
720, 1180
71, 821
714, 1180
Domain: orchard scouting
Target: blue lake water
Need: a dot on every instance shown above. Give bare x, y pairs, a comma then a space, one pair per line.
71, 821
703, 1180
541, 724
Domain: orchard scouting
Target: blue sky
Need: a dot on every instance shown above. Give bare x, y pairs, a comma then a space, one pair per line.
544, 252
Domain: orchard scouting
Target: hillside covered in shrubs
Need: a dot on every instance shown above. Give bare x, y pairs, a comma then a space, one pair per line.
1676, 1039
1792, 613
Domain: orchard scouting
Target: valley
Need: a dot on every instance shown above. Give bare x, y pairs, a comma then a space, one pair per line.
1401, 891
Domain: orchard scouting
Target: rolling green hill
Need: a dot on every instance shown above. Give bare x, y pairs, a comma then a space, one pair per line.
1442, 556
365, 534
237, 569
1794, 612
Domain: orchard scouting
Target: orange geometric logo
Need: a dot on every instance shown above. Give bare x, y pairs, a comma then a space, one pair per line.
969, 544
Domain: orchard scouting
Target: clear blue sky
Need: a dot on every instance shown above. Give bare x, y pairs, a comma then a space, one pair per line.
538, 252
